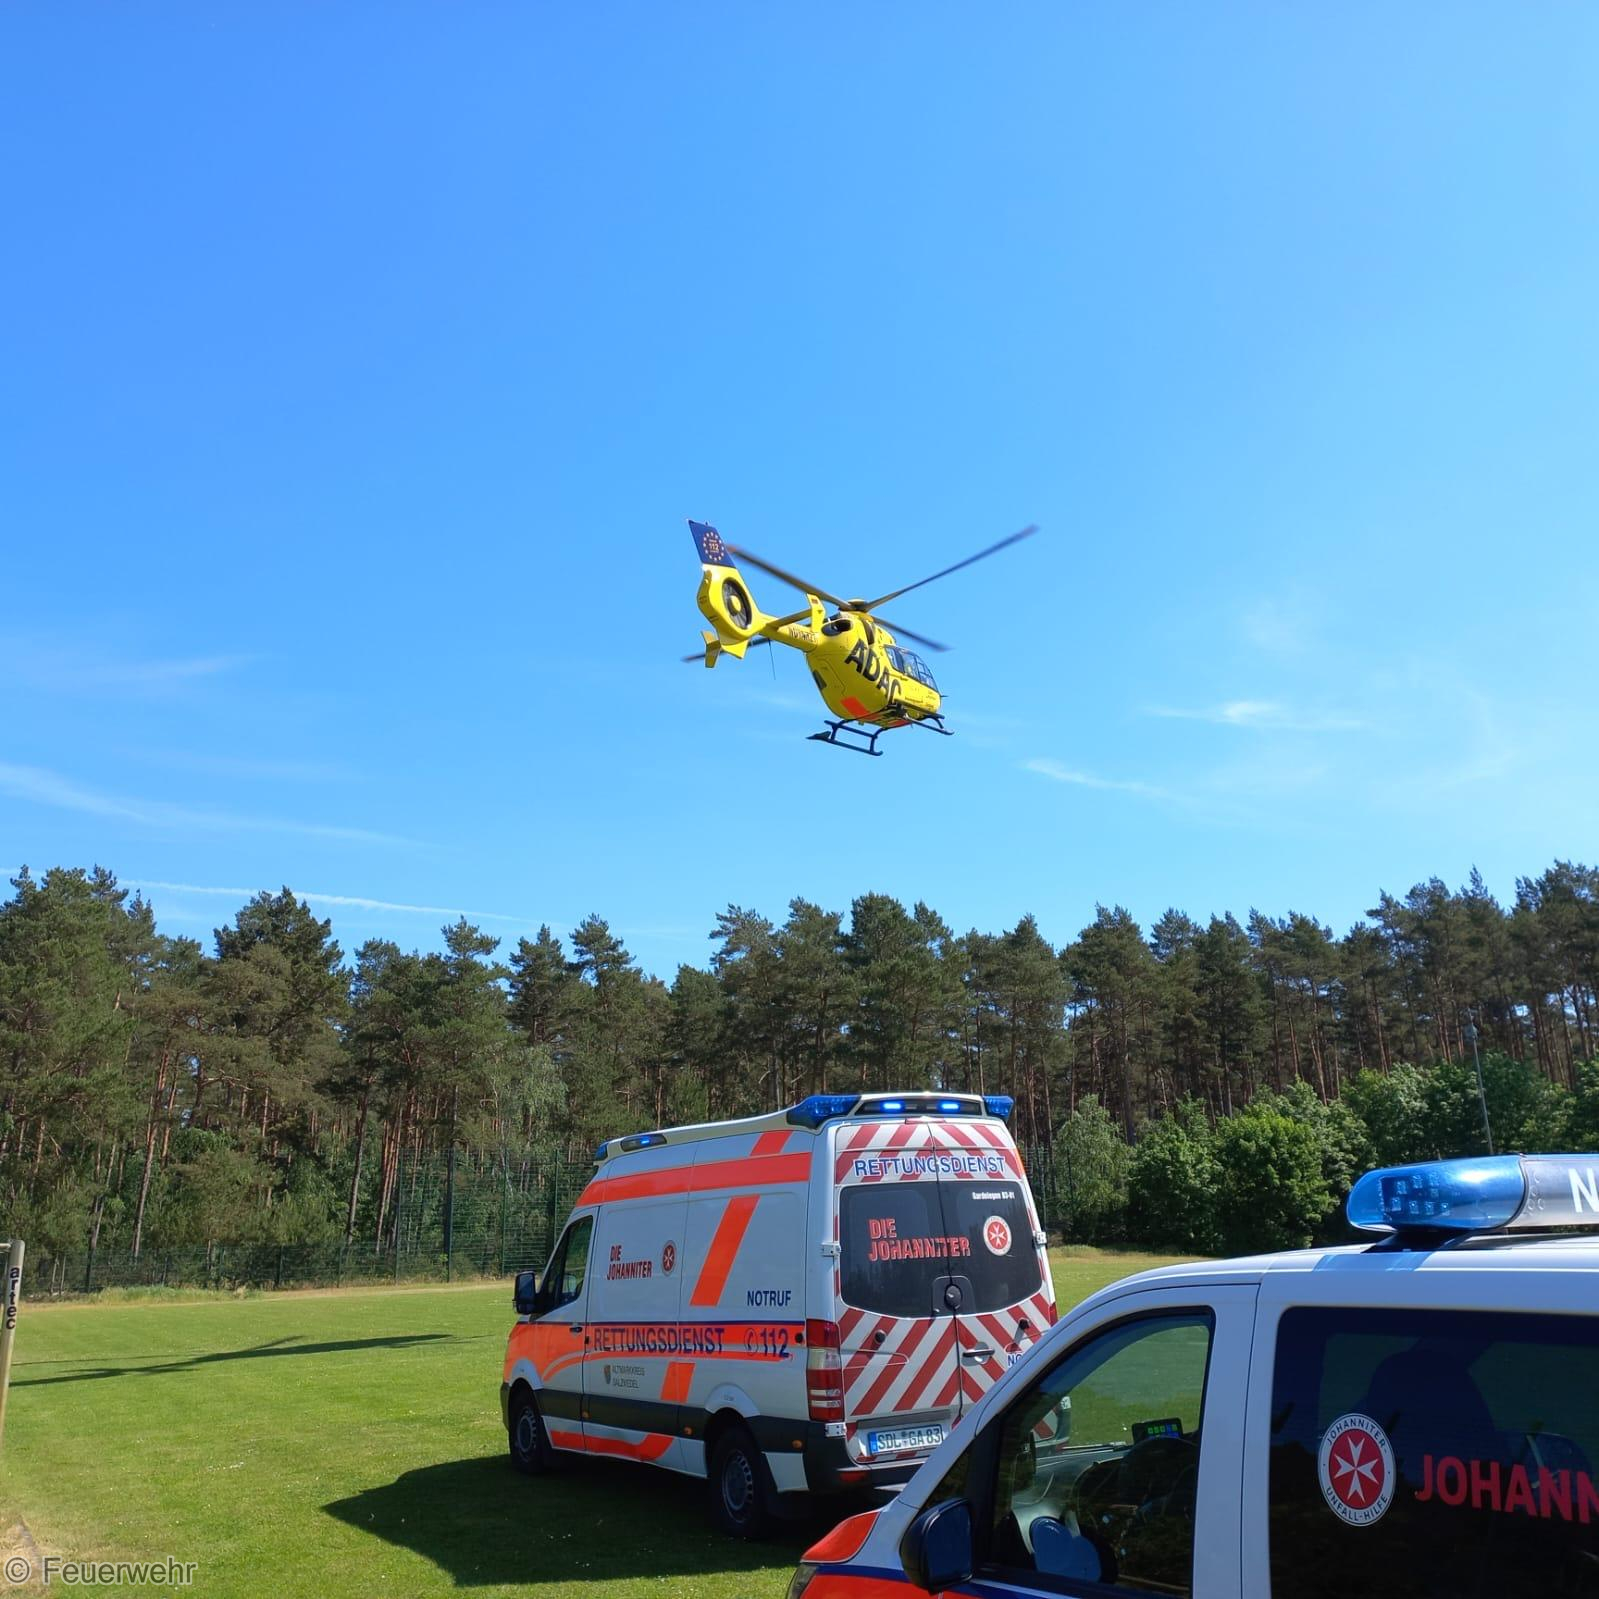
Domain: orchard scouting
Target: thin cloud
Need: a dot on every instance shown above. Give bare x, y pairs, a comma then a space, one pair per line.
348, 901
268, 768
41, 787
158, 674
1285, 624
1267, 715
1066, 774
51, 667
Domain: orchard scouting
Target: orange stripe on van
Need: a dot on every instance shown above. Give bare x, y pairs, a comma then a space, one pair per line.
653, 1446
771, 1143
757, 1171
732, 1350
674, 1386
719, 1257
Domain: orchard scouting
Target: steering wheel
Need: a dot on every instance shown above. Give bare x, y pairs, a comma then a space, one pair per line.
1149, 1471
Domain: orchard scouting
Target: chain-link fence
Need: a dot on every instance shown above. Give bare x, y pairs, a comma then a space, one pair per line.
446, 1220
478, 1216
1039, 1161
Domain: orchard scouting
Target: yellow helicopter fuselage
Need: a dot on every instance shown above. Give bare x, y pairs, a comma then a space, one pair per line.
859, 670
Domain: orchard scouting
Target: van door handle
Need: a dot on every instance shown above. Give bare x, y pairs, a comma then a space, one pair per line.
986, 1352
577, 1326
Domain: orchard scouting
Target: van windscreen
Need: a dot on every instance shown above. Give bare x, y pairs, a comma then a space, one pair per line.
896, 1239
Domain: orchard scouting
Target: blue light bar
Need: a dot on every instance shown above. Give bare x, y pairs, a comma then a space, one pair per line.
1453, 1196
821, 1108
1518, 1192
599, 1154
642, 1141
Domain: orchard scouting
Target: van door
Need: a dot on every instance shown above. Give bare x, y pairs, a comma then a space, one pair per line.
899, 1293
560, 1333
1116, 1461
944, 1282
1006, 1298
633, 1380
897, 1331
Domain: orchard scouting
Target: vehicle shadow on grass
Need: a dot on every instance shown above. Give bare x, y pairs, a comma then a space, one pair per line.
590, 1521
276, 1346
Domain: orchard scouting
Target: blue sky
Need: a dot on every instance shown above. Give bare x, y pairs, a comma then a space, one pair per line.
363, 362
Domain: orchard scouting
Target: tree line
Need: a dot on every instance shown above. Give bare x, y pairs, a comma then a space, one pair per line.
268, 1088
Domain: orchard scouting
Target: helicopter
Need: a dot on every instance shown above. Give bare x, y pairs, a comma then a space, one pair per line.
866, 678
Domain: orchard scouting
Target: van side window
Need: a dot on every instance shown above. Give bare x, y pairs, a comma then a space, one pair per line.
563, 1277
1438, 1454
1097, 1464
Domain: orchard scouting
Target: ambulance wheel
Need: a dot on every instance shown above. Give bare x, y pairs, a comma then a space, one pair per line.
739, 1486
530, 1444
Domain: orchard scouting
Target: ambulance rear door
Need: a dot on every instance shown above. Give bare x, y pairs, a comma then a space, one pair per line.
1007, 1296
899, 1290
943, 1279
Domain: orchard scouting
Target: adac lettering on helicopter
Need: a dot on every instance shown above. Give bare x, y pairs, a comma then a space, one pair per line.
870, 665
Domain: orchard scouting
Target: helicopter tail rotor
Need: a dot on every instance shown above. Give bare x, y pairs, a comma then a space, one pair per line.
724, 596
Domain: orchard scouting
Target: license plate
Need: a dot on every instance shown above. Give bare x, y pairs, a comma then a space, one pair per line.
887, 1443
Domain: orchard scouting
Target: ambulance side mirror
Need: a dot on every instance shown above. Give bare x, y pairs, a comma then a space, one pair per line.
526, 1292
936, 1550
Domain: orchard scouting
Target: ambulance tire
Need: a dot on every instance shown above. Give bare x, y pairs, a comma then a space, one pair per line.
740, 1486
530, 1444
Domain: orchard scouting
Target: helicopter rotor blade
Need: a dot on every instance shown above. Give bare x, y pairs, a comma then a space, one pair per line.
971, 560
905, 632
784, 577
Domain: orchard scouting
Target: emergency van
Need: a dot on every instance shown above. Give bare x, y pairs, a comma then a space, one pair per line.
792, 1304
1415, 1418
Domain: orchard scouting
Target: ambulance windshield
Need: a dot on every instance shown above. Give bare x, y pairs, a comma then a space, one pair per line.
899, 1239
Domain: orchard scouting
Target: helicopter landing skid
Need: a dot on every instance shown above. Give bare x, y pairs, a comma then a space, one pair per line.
835, 729
842, 734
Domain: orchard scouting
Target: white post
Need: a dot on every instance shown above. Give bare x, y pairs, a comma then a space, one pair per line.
8, 1324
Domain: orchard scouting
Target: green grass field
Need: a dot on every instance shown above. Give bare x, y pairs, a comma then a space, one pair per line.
347, 1443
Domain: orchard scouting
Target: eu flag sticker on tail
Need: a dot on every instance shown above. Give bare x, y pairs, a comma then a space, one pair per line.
713, 552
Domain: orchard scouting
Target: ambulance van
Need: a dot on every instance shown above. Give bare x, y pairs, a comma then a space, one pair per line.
804, 1302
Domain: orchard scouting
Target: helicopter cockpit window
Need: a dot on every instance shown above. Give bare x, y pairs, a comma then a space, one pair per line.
910, 664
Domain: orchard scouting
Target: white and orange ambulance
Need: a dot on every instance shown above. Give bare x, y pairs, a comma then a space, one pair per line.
796, 1303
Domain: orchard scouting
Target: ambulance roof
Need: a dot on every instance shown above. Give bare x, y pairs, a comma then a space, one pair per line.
820, 1110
